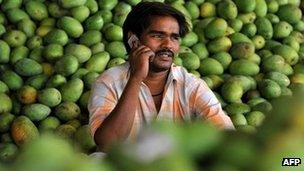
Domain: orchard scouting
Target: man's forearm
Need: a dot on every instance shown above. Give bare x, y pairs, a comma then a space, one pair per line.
118, 124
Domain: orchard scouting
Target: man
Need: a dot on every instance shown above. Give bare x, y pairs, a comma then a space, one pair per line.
149, 87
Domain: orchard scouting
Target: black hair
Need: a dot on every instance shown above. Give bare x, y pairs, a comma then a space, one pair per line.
141, 15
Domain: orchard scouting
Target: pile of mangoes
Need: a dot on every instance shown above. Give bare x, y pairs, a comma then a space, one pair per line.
249, 52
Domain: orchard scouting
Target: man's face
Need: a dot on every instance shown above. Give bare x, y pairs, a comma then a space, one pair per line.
162, 37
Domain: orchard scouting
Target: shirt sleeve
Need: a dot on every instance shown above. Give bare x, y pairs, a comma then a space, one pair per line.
100, 105
207, 106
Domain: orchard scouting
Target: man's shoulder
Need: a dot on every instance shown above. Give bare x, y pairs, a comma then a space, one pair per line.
114, 73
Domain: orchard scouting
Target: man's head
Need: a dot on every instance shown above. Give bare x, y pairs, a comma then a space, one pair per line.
159, 27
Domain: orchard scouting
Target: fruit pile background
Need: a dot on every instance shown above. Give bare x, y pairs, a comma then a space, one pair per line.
249, 52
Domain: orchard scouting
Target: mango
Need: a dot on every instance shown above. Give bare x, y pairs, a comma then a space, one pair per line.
27, 67
37, 10
227, 9
6, 101
81, 52
4, 52
80, 13
71, 26
245, 5
264, 27
36, 112
72, 90
216, 28
237, 108
50, 123
23, 130
243, 67
290, 13
50, 97
70, 3
91, 37
219, 45
67, 65
98, 62
210, 66
67, 111
288, 53
232, 91
56, 36
242, 50
27, 94
12, 80
190, 60
269, 89
14, 38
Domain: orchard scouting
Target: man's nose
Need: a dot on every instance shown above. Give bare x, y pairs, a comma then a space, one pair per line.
167, 43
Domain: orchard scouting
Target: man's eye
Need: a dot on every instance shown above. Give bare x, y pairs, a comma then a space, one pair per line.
157, 36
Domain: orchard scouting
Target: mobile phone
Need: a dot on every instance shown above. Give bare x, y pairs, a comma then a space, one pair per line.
133, 41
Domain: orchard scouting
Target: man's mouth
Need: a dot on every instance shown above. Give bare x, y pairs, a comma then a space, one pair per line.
164, 54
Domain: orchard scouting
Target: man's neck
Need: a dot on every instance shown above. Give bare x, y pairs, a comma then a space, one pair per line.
154, 77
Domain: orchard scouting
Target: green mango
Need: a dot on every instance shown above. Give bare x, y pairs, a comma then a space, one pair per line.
216, 28
224, 58
10, 4
94, 22
279, 78
72, 90
50, 97
34, 42
260, 8
190, 39
81, 52
27, 67
56, 81
245, 5
52, 52
50, 123
37, 81
67, 111
242, 50
237, 108
4, 52
227, 9
249, 29
84, 139
12, 80
92, 5
210, 66
98, 62
221, 44
290, 13
90, 38
37, 10
14, 38
6, 103
15, 15
27, 26
56, 36
243, 67
281, 30
200, 50
71, 3
36, 111
71, 26
255, 118
273, 63
238, 38
8, 152
246, 18
116, 49
107, 4
288, 53
264, 27
89, 79
272, 6
232, 91
269, 89
190, 60
80, 13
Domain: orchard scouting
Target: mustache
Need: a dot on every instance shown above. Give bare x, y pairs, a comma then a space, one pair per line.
165, 51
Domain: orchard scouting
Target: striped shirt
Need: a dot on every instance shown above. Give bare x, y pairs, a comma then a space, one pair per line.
185, 98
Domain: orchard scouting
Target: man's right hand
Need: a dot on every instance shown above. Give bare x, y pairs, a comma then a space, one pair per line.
139, 61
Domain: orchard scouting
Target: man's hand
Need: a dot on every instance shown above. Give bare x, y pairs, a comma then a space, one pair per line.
139, 61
